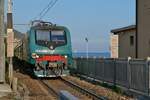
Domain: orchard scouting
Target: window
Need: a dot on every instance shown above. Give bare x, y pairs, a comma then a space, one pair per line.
58, 36
131, 40
42, 35
47, 37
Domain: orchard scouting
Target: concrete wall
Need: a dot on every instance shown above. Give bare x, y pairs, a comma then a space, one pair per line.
114, 46
143, 28
125, 48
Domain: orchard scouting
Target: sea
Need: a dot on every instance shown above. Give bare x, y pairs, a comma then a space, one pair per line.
91, 55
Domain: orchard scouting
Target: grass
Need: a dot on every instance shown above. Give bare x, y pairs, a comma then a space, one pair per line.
113, 88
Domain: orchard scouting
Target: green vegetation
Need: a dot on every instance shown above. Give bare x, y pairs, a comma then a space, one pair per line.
103, 84
113, 88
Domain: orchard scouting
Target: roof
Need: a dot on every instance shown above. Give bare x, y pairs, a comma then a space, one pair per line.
115, 31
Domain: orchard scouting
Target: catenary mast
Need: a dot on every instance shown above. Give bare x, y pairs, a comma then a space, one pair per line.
10, 39
2, 44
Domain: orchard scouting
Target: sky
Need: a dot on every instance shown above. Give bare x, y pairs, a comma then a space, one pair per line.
93, 19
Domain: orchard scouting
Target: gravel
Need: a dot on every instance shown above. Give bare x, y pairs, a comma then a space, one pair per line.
98, 89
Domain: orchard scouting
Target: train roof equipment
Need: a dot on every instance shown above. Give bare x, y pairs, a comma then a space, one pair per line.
40, 23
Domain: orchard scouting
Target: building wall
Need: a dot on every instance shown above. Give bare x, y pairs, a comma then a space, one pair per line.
125, 47
143, 28
114, 46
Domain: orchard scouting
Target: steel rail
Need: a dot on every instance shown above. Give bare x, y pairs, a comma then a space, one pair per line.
85, 91
50, 90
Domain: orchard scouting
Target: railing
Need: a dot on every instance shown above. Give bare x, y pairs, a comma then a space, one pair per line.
132, 74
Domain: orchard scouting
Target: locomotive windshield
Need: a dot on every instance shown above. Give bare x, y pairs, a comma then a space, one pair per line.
42, 36
57, 36
45, 37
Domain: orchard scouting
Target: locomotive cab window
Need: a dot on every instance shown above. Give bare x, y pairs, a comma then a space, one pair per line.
45, 37
58, 37
42, 36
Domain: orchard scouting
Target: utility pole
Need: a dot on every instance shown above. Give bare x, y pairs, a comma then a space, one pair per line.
10, 40
2, 44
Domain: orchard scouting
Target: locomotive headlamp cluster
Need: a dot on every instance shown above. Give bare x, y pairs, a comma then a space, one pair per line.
66, 56
34, 55
51, 47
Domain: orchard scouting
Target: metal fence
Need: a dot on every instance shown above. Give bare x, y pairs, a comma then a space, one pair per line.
131, 74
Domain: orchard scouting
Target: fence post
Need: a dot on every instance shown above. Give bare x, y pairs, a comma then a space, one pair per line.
103, 68
82, 66
114, 62
148, 75
95, 61
87, 66
78, 65
129, 72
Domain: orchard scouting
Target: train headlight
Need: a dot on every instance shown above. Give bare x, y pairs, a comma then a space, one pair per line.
37, 56
66, 56
51, 47
34, 55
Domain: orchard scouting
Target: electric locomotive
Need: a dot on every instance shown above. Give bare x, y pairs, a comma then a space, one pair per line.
49, 49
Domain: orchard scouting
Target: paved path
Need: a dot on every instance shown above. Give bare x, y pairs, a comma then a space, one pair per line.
4, 89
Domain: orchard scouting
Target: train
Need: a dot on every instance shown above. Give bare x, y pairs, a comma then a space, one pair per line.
48, 48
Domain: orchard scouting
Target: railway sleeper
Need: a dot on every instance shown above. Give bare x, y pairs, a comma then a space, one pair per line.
88, 93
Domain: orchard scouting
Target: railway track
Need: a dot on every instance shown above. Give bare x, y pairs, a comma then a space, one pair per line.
89, 93
54, 86
49, 88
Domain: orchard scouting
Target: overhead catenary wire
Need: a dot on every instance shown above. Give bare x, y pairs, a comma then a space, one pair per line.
49, 8
46, 9
21, 24
42, 13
